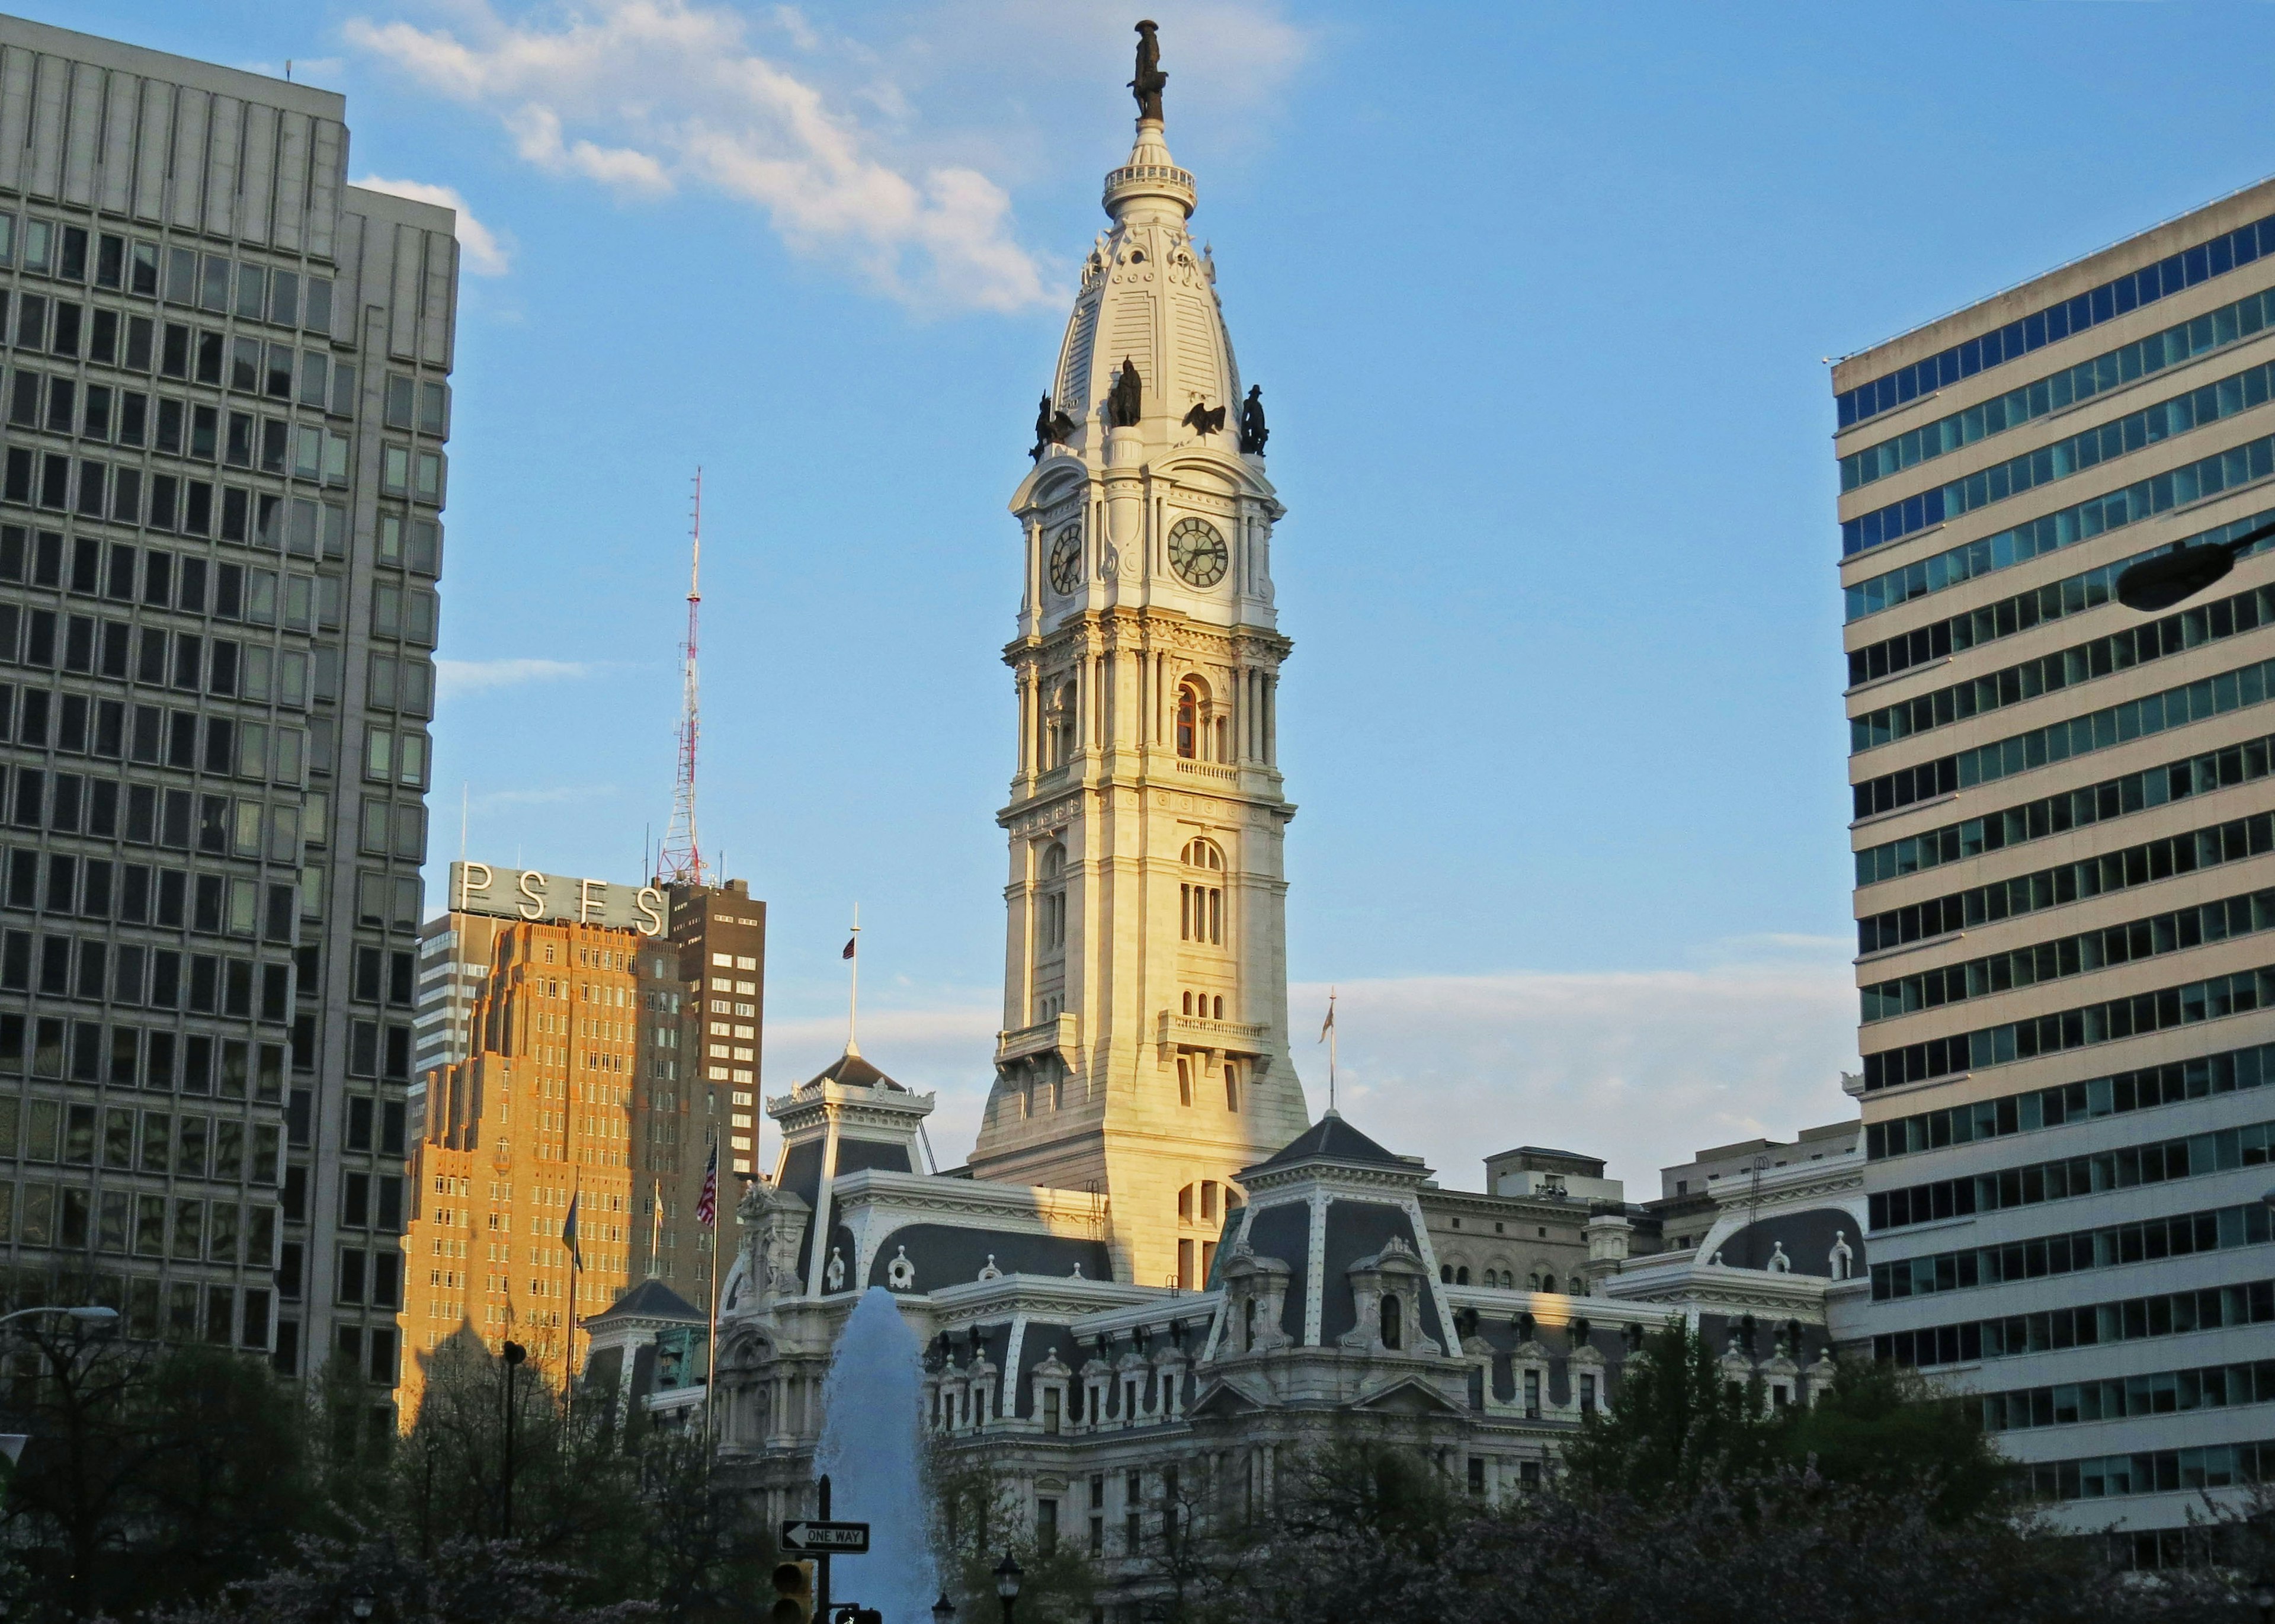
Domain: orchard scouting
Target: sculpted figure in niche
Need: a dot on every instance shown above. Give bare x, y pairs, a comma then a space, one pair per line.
1127, 401
836, 1274
1150, 82
1252, 431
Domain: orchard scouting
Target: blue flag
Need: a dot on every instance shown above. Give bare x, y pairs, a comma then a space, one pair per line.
569, 1232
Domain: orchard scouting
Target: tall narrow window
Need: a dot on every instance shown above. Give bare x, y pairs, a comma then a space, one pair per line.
1185, 1090
1393, 1322
1191, 706
1231, 1086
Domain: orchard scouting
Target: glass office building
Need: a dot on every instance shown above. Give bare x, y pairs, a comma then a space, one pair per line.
2065, 891
224, 398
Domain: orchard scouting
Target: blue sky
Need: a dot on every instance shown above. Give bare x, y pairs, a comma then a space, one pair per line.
1539, 297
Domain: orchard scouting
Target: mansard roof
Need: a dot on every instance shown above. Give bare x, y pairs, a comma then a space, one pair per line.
850, 1071
1331, 1139
651, 1299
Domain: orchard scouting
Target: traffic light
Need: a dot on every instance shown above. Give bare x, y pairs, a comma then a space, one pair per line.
793, 1594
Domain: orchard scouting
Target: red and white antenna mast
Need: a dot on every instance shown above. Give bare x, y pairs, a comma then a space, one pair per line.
680, 862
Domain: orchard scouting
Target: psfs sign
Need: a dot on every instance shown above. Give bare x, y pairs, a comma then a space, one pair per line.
525, 894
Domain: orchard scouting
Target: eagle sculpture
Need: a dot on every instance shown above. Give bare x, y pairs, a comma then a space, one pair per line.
1204, 419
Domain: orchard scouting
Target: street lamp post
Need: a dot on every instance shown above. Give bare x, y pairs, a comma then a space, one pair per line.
90, 1313
943, 1611
2160, 582
514, 1354
1008, 1575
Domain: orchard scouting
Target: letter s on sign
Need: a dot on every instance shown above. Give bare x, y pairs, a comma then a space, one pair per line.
532, 903
650, 905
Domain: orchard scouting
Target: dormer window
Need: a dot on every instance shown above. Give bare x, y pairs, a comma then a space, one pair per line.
1394, 1322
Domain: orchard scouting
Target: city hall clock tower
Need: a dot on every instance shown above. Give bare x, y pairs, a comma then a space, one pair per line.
1145, 1051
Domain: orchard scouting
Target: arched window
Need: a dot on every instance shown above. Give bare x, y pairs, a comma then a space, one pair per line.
1189, 1003
1051, 909
1059, 727
1461, 1277
1200, 901
1193, 716
1577, 1287
1445, 1275
1393, 1321
1219, 1001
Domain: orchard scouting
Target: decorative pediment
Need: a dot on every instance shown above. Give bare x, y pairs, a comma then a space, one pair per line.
1406, 1396
1233, 1395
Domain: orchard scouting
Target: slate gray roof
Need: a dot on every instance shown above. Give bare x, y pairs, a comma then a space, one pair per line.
651, 1299
1330, 1139
850, 1069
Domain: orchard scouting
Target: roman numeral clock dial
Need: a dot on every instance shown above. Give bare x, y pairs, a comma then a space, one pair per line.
1196, 553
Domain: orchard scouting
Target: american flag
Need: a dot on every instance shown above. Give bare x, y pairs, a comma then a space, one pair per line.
707, 1205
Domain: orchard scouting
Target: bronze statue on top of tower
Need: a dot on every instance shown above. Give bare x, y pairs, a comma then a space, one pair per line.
1147, 86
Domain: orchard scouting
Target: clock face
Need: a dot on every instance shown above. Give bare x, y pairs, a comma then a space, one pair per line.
1197, 552
1066, 559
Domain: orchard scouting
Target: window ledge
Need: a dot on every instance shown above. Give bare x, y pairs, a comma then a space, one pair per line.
1896, 676
1881, 546
1884, 955
1893, 1090
1898, 811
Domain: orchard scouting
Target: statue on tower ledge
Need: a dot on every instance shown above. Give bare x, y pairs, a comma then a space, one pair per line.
1252, 431
1148, 85
1125, 403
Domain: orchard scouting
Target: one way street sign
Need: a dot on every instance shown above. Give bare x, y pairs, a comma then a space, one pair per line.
825, 1538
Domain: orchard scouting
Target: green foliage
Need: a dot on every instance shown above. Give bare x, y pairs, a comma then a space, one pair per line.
1887, 1429
191, 1479
1672, 1424
150, 1473
978, 1523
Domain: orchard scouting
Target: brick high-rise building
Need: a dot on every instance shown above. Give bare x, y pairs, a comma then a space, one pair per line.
538, 1115
609, 1037
221, 476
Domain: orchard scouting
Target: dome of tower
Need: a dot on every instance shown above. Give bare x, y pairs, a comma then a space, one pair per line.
1149, 298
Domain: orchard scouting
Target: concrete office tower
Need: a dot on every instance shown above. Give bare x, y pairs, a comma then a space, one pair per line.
2066, 895
224, 406
1144, 1049
540, 1114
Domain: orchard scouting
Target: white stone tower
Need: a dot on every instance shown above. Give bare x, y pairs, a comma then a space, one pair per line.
1145, 1051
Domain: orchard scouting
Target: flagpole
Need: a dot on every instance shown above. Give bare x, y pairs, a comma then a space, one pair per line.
1327, 1031
711, 1334
853, 1001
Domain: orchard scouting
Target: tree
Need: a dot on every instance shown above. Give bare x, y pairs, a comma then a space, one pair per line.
464, 1581
1675, 1423
150, 1471
980, 1523
1884, 1429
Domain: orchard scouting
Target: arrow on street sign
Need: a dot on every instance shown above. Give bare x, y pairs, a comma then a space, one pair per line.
825, 1538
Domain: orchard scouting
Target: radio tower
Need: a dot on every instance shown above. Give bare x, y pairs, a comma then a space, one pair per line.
680, 862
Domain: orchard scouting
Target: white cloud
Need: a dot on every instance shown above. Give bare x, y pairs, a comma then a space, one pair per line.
557, 796
458, 677
1640, 1068
486, 252
649, 95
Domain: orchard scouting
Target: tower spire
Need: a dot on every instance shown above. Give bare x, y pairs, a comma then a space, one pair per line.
680, 860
